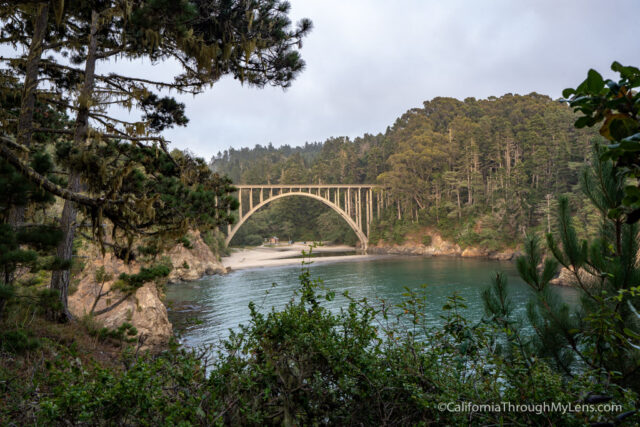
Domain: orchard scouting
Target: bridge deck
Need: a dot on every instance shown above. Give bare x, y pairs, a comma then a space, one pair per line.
301, 186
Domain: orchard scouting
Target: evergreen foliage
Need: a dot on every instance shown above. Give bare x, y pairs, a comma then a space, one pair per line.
121, 171
27, 249
600, 335
131, 282
481, 172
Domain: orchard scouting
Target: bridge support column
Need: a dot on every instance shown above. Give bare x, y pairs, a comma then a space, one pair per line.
356, 208
370, 207
368, 218
359, 207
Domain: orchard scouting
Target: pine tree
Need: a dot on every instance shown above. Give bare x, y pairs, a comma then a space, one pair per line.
602, 333
140, 186
26, 248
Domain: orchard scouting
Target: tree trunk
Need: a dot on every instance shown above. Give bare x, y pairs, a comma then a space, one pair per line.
549, 213
469, 196
28, 100
60, 279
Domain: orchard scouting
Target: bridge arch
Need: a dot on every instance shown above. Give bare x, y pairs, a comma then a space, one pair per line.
243, 218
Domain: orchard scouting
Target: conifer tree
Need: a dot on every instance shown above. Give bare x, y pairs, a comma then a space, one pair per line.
27, 248
122, 170
602, 333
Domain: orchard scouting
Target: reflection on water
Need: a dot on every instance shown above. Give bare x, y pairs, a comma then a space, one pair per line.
326, 254
221, 303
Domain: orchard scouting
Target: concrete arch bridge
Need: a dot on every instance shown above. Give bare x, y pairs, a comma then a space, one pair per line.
357, 204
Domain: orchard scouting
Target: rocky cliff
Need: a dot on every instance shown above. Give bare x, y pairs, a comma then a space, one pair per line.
194, 262
144, 309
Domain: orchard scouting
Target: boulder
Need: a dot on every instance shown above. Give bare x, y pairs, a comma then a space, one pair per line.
473, 252
194, 262
563, 278
439, 246
506, 255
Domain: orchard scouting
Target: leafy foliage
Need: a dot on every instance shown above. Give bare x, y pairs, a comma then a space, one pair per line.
615, 106
304, 364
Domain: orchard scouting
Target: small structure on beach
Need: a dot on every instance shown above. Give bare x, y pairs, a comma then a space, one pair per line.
274, 240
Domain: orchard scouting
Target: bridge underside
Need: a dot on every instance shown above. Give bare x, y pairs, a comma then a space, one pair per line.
356, 204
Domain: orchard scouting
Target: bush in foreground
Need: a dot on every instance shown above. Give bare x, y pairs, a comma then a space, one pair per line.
369, 364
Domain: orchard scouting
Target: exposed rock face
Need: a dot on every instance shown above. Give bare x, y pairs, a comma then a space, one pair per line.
566, 278
439, 246
472, 252
506, 255
145, 309
192, 264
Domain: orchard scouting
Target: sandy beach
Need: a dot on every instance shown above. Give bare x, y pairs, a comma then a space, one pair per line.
271, 256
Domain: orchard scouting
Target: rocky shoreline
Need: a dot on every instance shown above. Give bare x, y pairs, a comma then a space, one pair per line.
145, 309
440, 247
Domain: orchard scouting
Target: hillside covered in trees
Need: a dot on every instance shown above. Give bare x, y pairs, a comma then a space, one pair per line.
480, 172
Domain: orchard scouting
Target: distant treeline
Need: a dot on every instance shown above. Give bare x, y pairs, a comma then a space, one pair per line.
479, 171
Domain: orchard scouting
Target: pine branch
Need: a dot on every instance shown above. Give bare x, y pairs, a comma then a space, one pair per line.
105, 117
180, 87
102, 135
108, 54
46, 184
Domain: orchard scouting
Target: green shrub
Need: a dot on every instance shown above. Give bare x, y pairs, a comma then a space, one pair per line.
186, 242
216, 242
125, 333
18, 341
130, 282
398, 235
426, 240
253, 240
149, 250
306, 365
308, 236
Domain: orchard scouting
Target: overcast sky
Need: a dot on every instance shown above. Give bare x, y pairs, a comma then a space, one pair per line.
368, 61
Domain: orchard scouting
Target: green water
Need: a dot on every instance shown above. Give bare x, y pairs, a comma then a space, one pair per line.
220, 302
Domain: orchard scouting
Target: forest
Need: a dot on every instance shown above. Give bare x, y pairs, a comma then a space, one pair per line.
480, 172
75, 174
